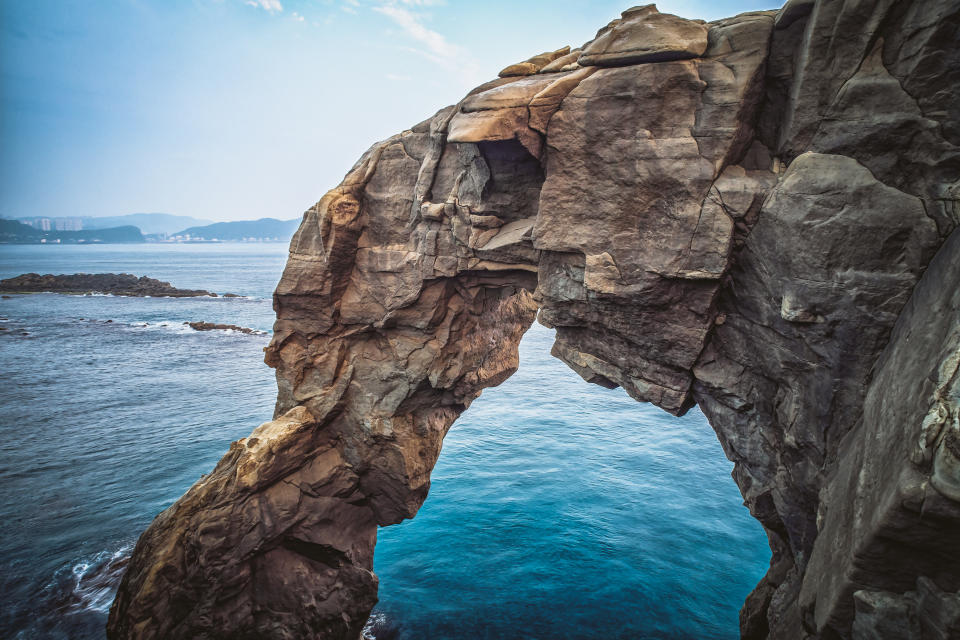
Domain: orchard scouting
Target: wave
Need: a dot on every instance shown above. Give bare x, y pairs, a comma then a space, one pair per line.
164, 325
219, 297
95, 582
185, 329
87, 586
97, 294
379, 627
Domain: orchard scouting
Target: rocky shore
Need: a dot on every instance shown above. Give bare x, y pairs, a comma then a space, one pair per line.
118, 284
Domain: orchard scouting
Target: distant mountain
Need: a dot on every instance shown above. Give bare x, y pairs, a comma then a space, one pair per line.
157, 227
263, 229
14, 232
146, 222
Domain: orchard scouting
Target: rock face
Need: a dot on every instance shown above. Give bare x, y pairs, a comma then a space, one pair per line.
118, 284
755, 215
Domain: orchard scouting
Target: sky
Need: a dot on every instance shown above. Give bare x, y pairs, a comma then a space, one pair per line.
243, 109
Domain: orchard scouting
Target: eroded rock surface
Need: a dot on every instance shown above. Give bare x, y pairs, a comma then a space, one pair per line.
735, 214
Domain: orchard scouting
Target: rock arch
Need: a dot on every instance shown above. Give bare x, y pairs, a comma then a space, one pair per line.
685, 215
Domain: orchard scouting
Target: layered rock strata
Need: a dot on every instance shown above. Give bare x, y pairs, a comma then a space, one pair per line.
735, 214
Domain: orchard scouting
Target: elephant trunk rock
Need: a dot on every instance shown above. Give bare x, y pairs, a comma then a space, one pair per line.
750, 214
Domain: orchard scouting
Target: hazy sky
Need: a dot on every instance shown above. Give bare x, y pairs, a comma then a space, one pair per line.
237, 109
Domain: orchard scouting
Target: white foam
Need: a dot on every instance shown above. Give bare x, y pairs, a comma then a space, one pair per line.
164, 325
185, 329
256, 332
376, 619
95, 582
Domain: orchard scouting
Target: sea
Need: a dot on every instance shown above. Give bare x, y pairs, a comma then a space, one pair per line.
558, 509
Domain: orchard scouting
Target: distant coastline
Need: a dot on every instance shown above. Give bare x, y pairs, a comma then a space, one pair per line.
149, 227
14, 232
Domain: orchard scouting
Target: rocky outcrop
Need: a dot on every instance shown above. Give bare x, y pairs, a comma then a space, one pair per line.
213, 326
643, 34
118, 284
751, 215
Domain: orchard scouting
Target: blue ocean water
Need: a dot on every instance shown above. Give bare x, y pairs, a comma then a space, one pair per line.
558, 509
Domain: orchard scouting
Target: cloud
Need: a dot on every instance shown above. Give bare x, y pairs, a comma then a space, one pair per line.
269, 5
457, 61
436, 44
296, 16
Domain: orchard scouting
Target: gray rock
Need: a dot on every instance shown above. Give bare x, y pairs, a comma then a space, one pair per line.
881, 615
882, 520
926, 613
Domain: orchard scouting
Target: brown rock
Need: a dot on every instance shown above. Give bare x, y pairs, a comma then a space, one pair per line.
532, 65
645, 35
519, 69
500, 113
560, 63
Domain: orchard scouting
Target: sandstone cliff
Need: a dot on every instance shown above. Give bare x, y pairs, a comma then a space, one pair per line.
755, 215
